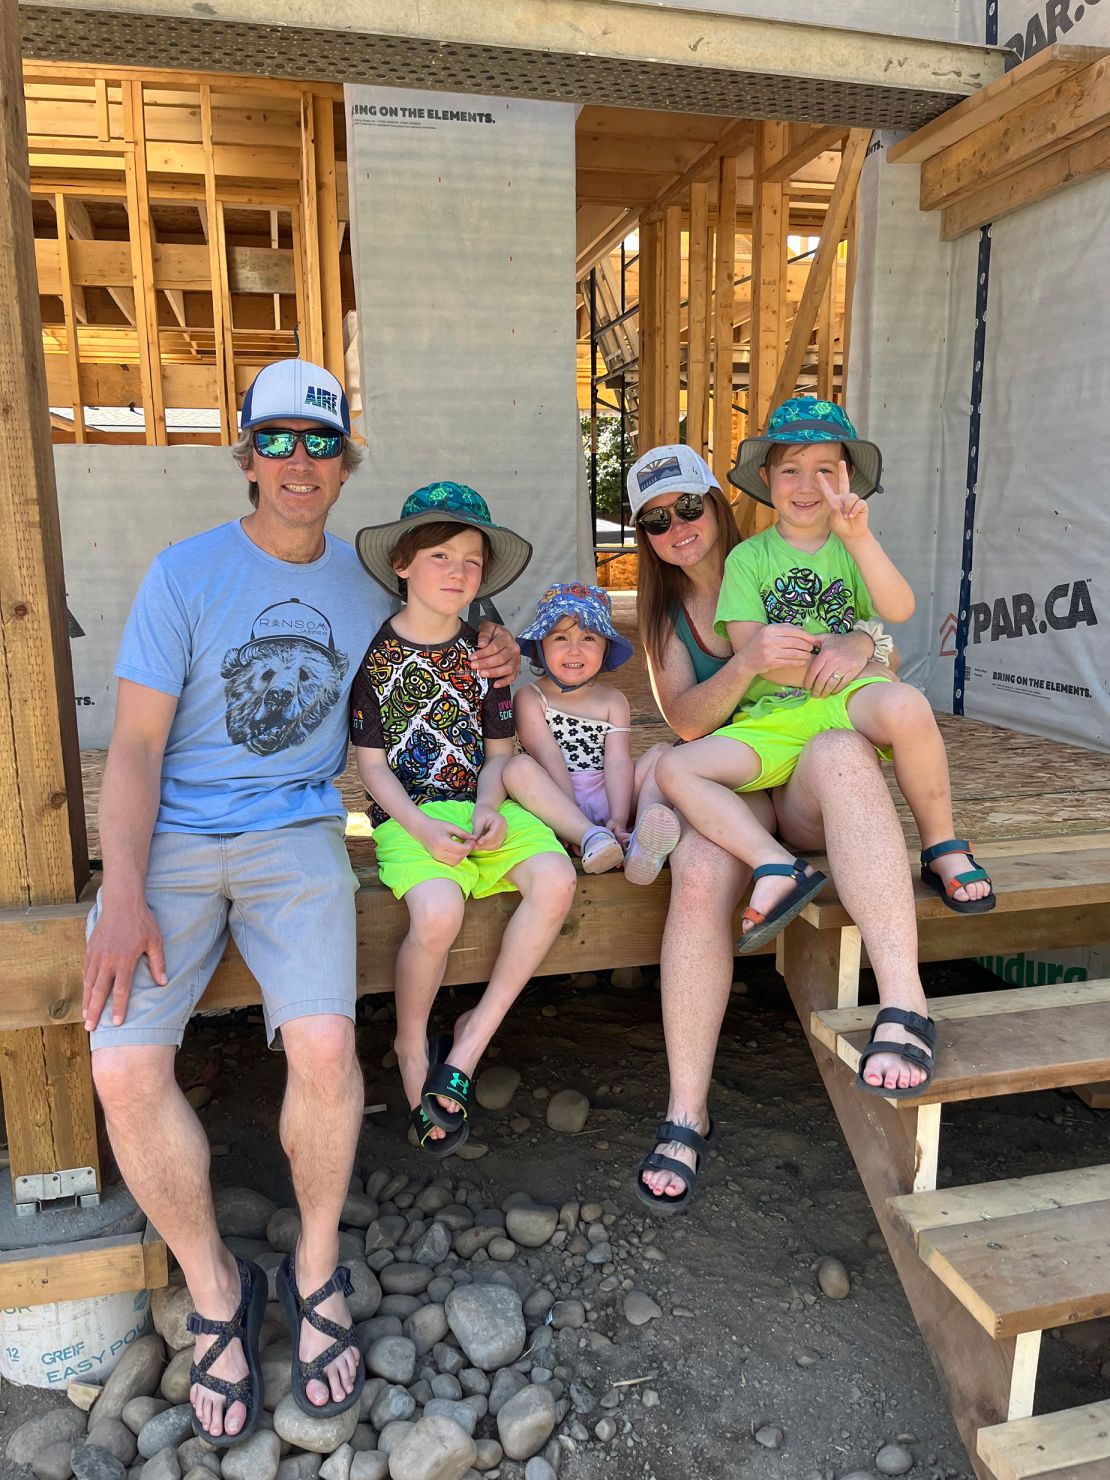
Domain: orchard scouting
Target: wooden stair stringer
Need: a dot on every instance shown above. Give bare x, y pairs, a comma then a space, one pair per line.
980, 1375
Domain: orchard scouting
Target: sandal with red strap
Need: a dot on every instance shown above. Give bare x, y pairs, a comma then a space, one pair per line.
973, 875
766, 927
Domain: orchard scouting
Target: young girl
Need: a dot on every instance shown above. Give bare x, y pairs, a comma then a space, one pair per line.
577, 775
432, 739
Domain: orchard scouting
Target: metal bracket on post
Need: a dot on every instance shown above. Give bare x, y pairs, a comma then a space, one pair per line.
78, 1184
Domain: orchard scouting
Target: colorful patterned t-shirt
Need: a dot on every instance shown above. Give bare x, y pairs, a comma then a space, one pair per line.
767, 580
430, 712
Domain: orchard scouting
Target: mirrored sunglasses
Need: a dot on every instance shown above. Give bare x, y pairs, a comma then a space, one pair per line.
688, 507
281, 441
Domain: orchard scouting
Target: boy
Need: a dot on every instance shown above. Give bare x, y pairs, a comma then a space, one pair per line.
432, 740
820, 568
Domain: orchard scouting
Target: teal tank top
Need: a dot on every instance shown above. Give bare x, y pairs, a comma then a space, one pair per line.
706, 664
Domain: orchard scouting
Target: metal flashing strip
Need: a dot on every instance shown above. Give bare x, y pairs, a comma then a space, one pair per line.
601, 51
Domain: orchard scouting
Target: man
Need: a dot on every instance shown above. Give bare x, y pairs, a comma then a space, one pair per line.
218, 815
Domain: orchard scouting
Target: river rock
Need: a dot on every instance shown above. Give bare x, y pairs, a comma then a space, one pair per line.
568, 1315
405, 1279
52, 1463
488, 1323
366, 1293
83, 1394
639, 1308
496, 1087
538, 1468
175, 1384
113, 1435
392, 1403
369, 1465
531, 1226
195, 1454
138, 1410
392, 1357
136, 1375
525, 1422
893, 1459
461, 1413
567, 1111
425, 1327
833, 1279
283, 1230
506, 1384
170, 1308
256, 1458
243, 1213
90, 1462
319, 1435
37, 1434
433, 1246
299, 1467
164, 1465
359, 1211
435, 1449
165, 1430
489, 1455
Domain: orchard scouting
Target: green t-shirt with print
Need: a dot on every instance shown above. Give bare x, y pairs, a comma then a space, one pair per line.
767, 580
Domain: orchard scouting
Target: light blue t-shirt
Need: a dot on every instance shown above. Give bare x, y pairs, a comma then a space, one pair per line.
261, 654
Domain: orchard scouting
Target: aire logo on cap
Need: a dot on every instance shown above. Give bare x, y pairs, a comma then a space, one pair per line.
654, 472
323, 400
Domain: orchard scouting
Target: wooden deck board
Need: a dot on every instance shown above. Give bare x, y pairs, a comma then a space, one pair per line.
1070, 1445
949, 1207
1028, 1272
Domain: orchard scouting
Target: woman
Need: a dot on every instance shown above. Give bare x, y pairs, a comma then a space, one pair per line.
836, 801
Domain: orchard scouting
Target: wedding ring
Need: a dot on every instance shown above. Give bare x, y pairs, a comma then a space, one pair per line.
838, 675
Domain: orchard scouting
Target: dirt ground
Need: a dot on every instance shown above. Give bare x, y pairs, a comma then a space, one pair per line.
754, 1342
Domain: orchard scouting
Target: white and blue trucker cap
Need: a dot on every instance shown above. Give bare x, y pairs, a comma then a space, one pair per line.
296, 388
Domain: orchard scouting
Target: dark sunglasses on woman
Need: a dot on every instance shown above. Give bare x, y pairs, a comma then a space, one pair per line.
688, 507
281, 442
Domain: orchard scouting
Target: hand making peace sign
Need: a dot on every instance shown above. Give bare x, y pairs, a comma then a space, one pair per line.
847, 511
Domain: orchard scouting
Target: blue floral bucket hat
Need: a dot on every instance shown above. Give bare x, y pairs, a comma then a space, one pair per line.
805, 419
454, 503
589, 606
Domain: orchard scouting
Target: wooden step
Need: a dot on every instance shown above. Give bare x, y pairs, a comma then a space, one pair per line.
1020, 1255
996, 1043
1071, 1445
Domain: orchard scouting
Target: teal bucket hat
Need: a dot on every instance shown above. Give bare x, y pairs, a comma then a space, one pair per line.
805, 419
454, 503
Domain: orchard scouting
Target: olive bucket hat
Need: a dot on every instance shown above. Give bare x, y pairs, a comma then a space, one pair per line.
454, 503
805, 419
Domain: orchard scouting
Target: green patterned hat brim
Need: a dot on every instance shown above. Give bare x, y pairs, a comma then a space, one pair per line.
867, 460
511, 551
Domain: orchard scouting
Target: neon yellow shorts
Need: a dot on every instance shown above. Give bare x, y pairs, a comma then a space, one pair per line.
403, 862
778, 730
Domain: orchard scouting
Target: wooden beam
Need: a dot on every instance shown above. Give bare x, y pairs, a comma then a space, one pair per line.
724, 293
1047, 177
142, 259
44, 1076
327, 218
698, 321
731, 141
312, 329
82, 1270
73, 356
1028, 79
768, 273
212, 224
81, 229
821, 267
651, 335
671, 305
803, 144
1066, 114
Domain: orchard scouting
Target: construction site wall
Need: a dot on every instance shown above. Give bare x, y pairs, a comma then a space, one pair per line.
979, 366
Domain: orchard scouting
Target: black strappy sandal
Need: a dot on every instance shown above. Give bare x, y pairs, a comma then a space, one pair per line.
298, 1310
244, 1326
655, 1161
444, 1079
921, 1027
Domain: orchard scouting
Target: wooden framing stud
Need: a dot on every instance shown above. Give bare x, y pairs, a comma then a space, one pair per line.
73, 355
724, 295
697, 335
142, 263
672, 304
212, 225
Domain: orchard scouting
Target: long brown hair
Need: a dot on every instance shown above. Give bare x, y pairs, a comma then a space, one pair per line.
661, 586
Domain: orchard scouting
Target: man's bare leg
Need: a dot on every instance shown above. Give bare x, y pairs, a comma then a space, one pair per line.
837, 799
695, 968
162, 1151
320, 1121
